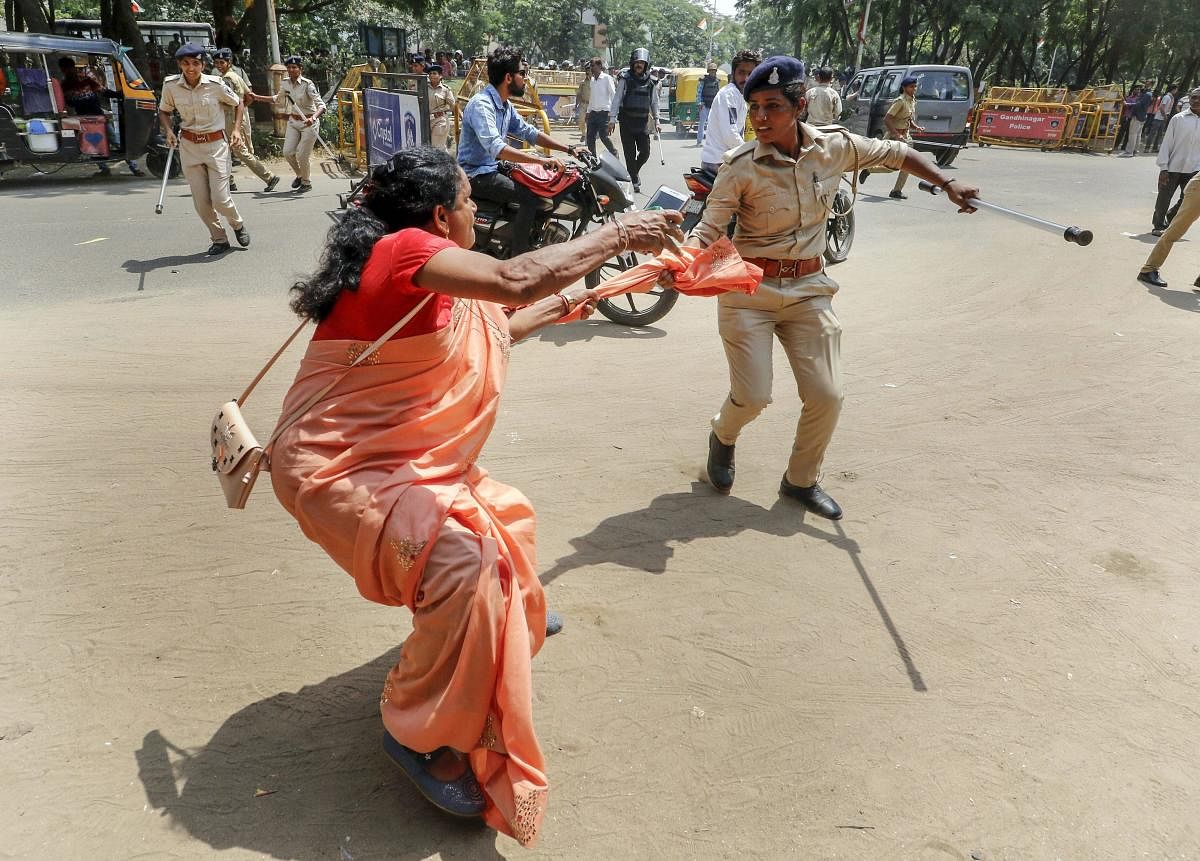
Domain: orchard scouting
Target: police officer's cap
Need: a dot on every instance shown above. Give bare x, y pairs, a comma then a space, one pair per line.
907, 82
223, 54
189, 49
293, 60
772, 73
434, 67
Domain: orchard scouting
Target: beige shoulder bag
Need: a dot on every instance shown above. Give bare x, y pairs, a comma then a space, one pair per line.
237, 457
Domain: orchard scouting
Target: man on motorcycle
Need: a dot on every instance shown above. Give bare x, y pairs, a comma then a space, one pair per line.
727, 119
635, 107
488, 120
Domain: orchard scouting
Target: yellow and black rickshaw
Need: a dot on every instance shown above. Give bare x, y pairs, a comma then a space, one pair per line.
38, 129
682, 107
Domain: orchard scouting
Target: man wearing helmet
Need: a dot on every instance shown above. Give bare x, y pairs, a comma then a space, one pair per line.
635, 106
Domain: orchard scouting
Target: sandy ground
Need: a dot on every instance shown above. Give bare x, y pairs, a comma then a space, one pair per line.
995, 655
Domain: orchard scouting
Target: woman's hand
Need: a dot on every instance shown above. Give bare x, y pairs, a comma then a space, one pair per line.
649, 232
582, 296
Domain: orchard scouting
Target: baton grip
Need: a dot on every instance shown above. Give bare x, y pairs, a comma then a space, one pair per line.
929, 187
1078, 235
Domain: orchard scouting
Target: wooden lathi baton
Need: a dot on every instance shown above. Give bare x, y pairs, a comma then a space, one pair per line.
1078, 235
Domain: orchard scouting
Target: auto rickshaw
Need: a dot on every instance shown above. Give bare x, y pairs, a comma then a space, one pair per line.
682, 107
38, 130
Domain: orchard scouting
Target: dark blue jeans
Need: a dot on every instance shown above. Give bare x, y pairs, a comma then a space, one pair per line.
597, 126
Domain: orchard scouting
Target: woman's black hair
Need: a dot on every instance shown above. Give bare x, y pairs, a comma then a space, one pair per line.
794, 92
402, 193
501, 62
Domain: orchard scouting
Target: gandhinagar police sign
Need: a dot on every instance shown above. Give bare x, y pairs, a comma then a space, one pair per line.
393, 124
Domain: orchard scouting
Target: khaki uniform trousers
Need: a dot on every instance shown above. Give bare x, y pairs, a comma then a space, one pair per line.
298, 145
1185, 217
439, 133
901, 176
244, 152
206, 167
811, 337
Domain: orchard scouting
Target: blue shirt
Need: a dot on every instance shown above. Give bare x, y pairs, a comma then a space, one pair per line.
487, 121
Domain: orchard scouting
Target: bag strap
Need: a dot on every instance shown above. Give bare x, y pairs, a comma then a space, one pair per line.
241, 400
366, 354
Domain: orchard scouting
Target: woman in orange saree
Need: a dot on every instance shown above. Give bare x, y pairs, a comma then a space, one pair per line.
382, 473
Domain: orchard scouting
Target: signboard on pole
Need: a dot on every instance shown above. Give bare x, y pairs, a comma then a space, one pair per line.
1023, 125
393, 123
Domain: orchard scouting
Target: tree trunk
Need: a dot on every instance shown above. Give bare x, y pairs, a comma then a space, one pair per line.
32, 15
903, 22
117, 23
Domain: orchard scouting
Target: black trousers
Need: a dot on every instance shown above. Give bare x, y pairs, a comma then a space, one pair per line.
635, 141
1175, 181
497, 187
597, 126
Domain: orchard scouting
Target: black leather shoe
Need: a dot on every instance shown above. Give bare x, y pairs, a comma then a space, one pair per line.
863, 176
296, 182
232, 185
813, 498
217, 248
271, 183
898, 195
1152, 278
720, 464
243, 236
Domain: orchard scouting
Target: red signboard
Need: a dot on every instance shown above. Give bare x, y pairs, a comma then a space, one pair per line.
1022, 125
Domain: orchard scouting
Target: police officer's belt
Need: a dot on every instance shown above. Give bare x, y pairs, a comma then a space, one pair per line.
439, 113
201, 137
786, 268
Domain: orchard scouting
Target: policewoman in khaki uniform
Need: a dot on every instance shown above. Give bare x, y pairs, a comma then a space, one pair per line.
203, 150
780, 187
299, 95
441, 108
244, 152
900, 120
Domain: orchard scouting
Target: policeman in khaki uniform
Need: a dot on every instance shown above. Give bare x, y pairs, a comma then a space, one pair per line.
299, 95
900, 120
441, 108
824, 104
223, 62
203, 150
780, 187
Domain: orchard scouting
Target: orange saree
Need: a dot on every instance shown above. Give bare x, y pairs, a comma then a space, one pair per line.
381, 473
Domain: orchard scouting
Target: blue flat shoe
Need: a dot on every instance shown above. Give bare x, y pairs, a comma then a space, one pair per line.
554, 623
461, 797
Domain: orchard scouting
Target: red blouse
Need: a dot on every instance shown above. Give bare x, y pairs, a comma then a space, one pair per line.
386, 292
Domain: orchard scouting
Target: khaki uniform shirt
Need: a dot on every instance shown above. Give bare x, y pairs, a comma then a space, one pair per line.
304, 94
902, 112
824, 106
201, 107
782, 203
234, 81
441, 101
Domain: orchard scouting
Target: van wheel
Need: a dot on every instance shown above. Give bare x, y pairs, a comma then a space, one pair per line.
946, 157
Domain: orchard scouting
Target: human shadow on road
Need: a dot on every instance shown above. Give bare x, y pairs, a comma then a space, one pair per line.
644, 541
301, 775
142, 268
1184, 300
74, 183
586, 330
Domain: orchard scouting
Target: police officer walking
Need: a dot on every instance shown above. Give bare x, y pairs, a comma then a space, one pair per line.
203, 150
635, 107
243, 151
305, 106
706, 92
824, 103
441, 108
780, 187
900, 120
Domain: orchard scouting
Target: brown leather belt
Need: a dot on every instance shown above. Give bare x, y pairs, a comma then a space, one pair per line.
439, 113
300, 117
786, 268
201, 137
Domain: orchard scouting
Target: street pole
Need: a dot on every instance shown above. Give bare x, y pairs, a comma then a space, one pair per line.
712, 25
1053, 57
862, 35
272, 31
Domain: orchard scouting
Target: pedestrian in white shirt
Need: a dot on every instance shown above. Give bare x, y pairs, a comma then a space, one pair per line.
1162, 116
603, 88
1178, 158
1181, 147
824, 104
727, 117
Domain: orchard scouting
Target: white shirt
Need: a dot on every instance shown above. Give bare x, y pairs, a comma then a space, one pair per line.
1179, 151
726, 124
1164, 106
603, 90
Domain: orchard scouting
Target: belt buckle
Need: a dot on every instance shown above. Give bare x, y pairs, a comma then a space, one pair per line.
787, 269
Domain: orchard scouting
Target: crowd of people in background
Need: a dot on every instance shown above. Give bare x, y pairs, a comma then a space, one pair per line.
1145, 112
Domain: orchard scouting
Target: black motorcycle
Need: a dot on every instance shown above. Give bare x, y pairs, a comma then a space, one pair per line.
591, 192
839, 228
